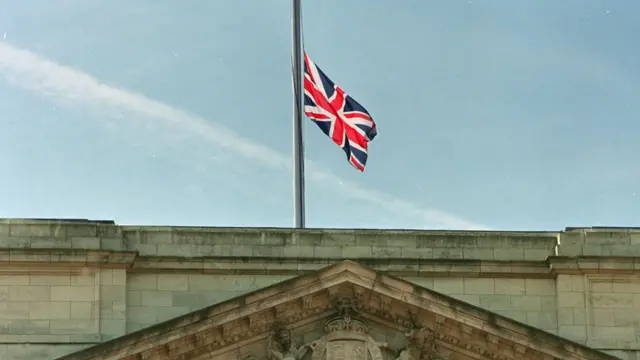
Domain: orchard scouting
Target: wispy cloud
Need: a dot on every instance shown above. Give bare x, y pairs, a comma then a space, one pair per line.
63, 84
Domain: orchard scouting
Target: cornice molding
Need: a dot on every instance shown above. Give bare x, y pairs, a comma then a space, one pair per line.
66, 258
606, 265
253, 265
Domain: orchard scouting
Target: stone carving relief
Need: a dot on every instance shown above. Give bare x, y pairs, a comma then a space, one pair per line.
282, 347
420, 345
347, 338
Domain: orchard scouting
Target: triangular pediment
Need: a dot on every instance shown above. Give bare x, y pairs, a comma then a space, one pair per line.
390, 314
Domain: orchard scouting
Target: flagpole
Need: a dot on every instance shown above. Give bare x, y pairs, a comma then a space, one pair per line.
298, 149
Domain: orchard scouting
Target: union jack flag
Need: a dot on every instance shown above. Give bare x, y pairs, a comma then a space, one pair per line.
337, 114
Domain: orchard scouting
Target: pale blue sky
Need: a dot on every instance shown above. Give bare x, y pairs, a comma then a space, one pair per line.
491, 114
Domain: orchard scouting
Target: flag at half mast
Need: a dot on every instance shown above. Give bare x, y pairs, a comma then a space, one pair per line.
337, 114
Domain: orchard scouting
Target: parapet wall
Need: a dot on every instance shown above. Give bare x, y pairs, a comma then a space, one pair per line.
318, 243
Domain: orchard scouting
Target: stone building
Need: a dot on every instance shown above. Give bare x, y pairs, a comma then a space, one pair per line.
79, 290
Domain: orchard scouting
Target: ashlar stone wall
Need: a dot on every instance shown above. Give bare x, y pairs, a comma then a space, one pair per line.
153, 298
68, 285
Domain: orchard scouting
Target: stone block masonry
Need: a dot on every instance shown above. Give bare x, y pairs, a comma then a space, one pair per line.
66, 285
153, 298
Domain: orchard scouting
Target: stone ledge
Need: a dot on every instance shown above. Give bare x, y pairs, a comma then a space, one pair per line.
39, 269
342, 252
594, 265
609, 344
336, 237
92, 339
58, 228
395, 267
66, 258
291, 266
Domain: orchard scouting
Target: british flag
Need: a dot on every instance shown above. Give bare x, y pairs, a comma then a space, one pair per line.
339, 116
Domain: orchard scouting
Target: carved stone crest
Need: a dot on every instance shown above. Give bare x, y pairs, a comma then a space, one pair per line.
347, 337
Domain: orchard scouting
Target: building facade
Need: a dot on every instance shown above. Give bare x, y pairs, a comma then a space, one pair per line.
96, 290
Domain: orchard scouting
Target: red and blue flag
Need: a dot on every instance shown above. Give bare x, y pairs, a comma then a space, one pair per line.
337, 114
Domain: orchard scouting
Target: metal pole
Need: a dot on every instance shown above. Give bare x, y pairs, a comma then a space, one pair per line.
298, 149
